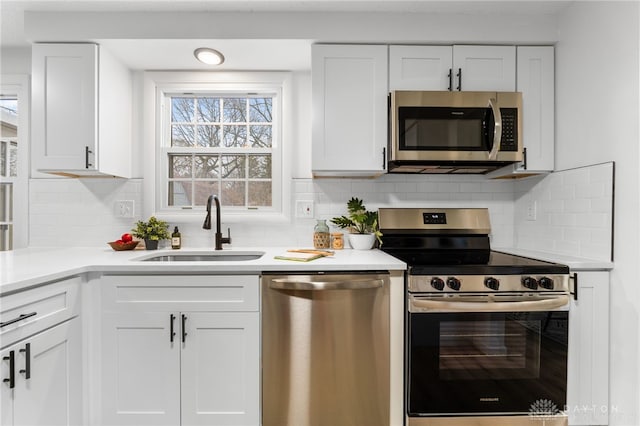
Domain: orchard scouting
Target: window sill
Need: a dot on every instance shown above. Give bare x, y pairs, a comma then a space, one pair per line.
198, 217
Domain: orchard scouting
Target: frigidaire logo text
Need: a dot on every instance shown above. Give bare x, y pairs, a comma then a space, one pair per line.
489, 399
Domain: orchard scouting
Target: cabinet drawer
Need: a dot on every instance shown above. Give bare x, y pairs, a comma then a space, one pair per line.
180, 292
31, 311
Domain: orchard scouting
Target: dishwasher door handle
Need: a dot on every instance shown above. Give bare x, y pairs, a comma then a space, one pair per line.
343, 284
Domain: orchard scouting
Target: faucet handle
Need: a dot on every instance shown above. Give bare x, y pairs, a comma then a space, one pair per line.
227, 239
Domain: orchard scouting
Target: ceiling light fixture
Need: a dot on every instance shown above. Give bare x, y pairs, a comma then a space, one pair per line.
208, 56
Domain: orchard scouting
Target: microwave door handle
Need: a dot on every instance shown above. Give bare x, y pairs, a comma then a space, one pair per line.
497, 129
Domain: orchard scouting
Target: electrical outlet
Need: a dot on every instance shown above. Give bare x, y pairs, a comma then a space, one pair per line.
532, 208
124, 208
304, 209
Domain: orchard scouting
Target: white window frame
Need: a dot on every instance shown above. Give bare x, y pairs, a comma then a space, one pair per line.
20, 86
159, 85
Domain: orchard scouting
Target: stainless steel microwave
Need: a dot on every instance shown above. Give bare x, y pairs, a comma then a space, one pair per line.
454, 132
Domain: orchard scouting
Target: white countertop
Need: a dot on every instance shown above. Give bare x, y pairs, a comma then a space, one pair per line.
24, 268
574, 263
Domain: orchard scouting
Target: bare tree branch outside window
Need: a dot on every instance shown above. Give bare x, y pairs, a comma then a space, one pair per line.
221, 145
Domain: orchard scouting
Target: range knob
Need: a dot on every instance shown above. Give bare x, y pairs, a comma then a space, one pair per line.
453, 283
530, 283
437, 283
492, 283
546, 283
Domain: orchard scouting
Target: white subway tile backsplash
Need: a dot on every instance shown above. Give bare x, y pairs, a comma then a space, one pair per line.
574, 209
574, 212
79, 212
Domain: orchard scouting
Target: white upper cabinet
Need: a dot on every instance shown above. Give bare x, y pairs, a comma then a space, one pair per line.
81, 111
480, 68
460, 67
536, 82
349, 99
420, 67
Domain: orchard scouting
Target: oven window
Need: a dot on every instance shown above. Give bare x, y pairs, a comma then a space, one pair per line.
498, 350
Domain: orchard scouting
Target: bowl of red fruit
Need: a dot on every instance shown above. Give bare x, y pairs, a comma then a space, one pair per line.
124, 243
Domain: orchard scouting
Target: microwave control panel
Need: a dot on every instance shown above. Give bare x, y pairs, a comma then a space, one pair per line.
509, 140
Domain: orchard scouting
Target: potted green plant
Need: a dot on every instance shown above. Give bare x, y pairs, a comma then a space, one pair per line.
361, 223
151, 232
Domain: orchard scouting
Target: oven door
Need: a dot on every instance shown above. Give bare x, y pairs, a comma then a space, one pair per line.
480, 363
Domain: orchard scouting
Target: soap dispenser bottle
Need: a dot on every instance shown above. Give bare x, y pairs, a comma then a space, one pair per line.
176, 240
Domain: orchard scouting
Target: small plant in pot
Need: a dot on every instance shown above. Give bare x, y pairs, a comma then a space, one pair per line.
151, 232
362, 225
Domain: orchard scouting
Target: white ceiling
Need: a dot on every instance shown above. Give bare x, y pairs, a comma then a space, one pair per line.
241, 54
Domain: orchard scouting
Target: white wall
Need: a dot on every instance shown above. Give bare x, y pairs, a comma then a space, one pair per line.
597, 95
15, 60
476, 26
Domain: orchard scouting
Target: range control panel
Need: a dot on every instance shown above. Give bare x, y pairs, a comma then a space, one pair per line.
488, 283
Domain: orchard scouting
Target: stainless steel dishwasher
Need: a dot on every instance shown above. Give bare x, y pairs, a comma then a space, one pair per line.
325, 349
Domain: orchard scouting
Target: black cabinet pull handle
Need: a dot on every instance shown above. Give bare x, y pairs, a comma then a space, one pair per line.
384, 158
184, 328
524, 155
87, 151
27, 361
459, 75
575, 285
172, 333
19, 318
450, 75
12, 371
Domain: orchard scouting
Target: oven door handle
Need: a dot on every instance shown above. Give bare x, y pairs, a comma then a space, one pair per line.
492, 305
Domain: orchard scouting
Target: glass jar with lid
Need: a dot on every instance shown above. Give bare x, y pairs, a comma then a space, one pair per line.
321, 236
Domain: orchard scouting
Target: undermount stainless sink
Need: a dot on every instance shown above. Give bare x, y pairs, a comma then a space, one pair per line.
229, 256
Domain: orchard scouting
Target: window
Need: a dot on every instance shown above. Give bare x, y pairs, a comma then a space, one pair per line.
14, 161
223, 139
220, 145
8, 136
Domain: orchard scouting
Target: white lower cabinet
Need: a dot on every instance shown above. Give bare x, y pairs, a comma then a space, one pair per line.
45, 387
588, 364
220, 369
172, 365
41, 369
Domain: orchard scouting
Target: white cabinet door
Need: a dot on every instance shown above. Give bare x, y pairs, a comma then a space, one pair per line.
47, 379
64, 108
7, 364
420, 68
588, 365
484, 68
221, 369
536, 82
460, 67
349, 100
140, 369
53, 361
81, 111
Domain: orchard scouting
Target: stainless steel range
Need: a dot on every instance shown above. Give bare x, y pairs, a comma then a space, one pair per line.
486, 331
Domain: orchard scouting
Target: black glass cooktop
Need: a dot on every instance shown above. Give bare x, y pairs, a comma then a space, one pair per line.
497, 263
